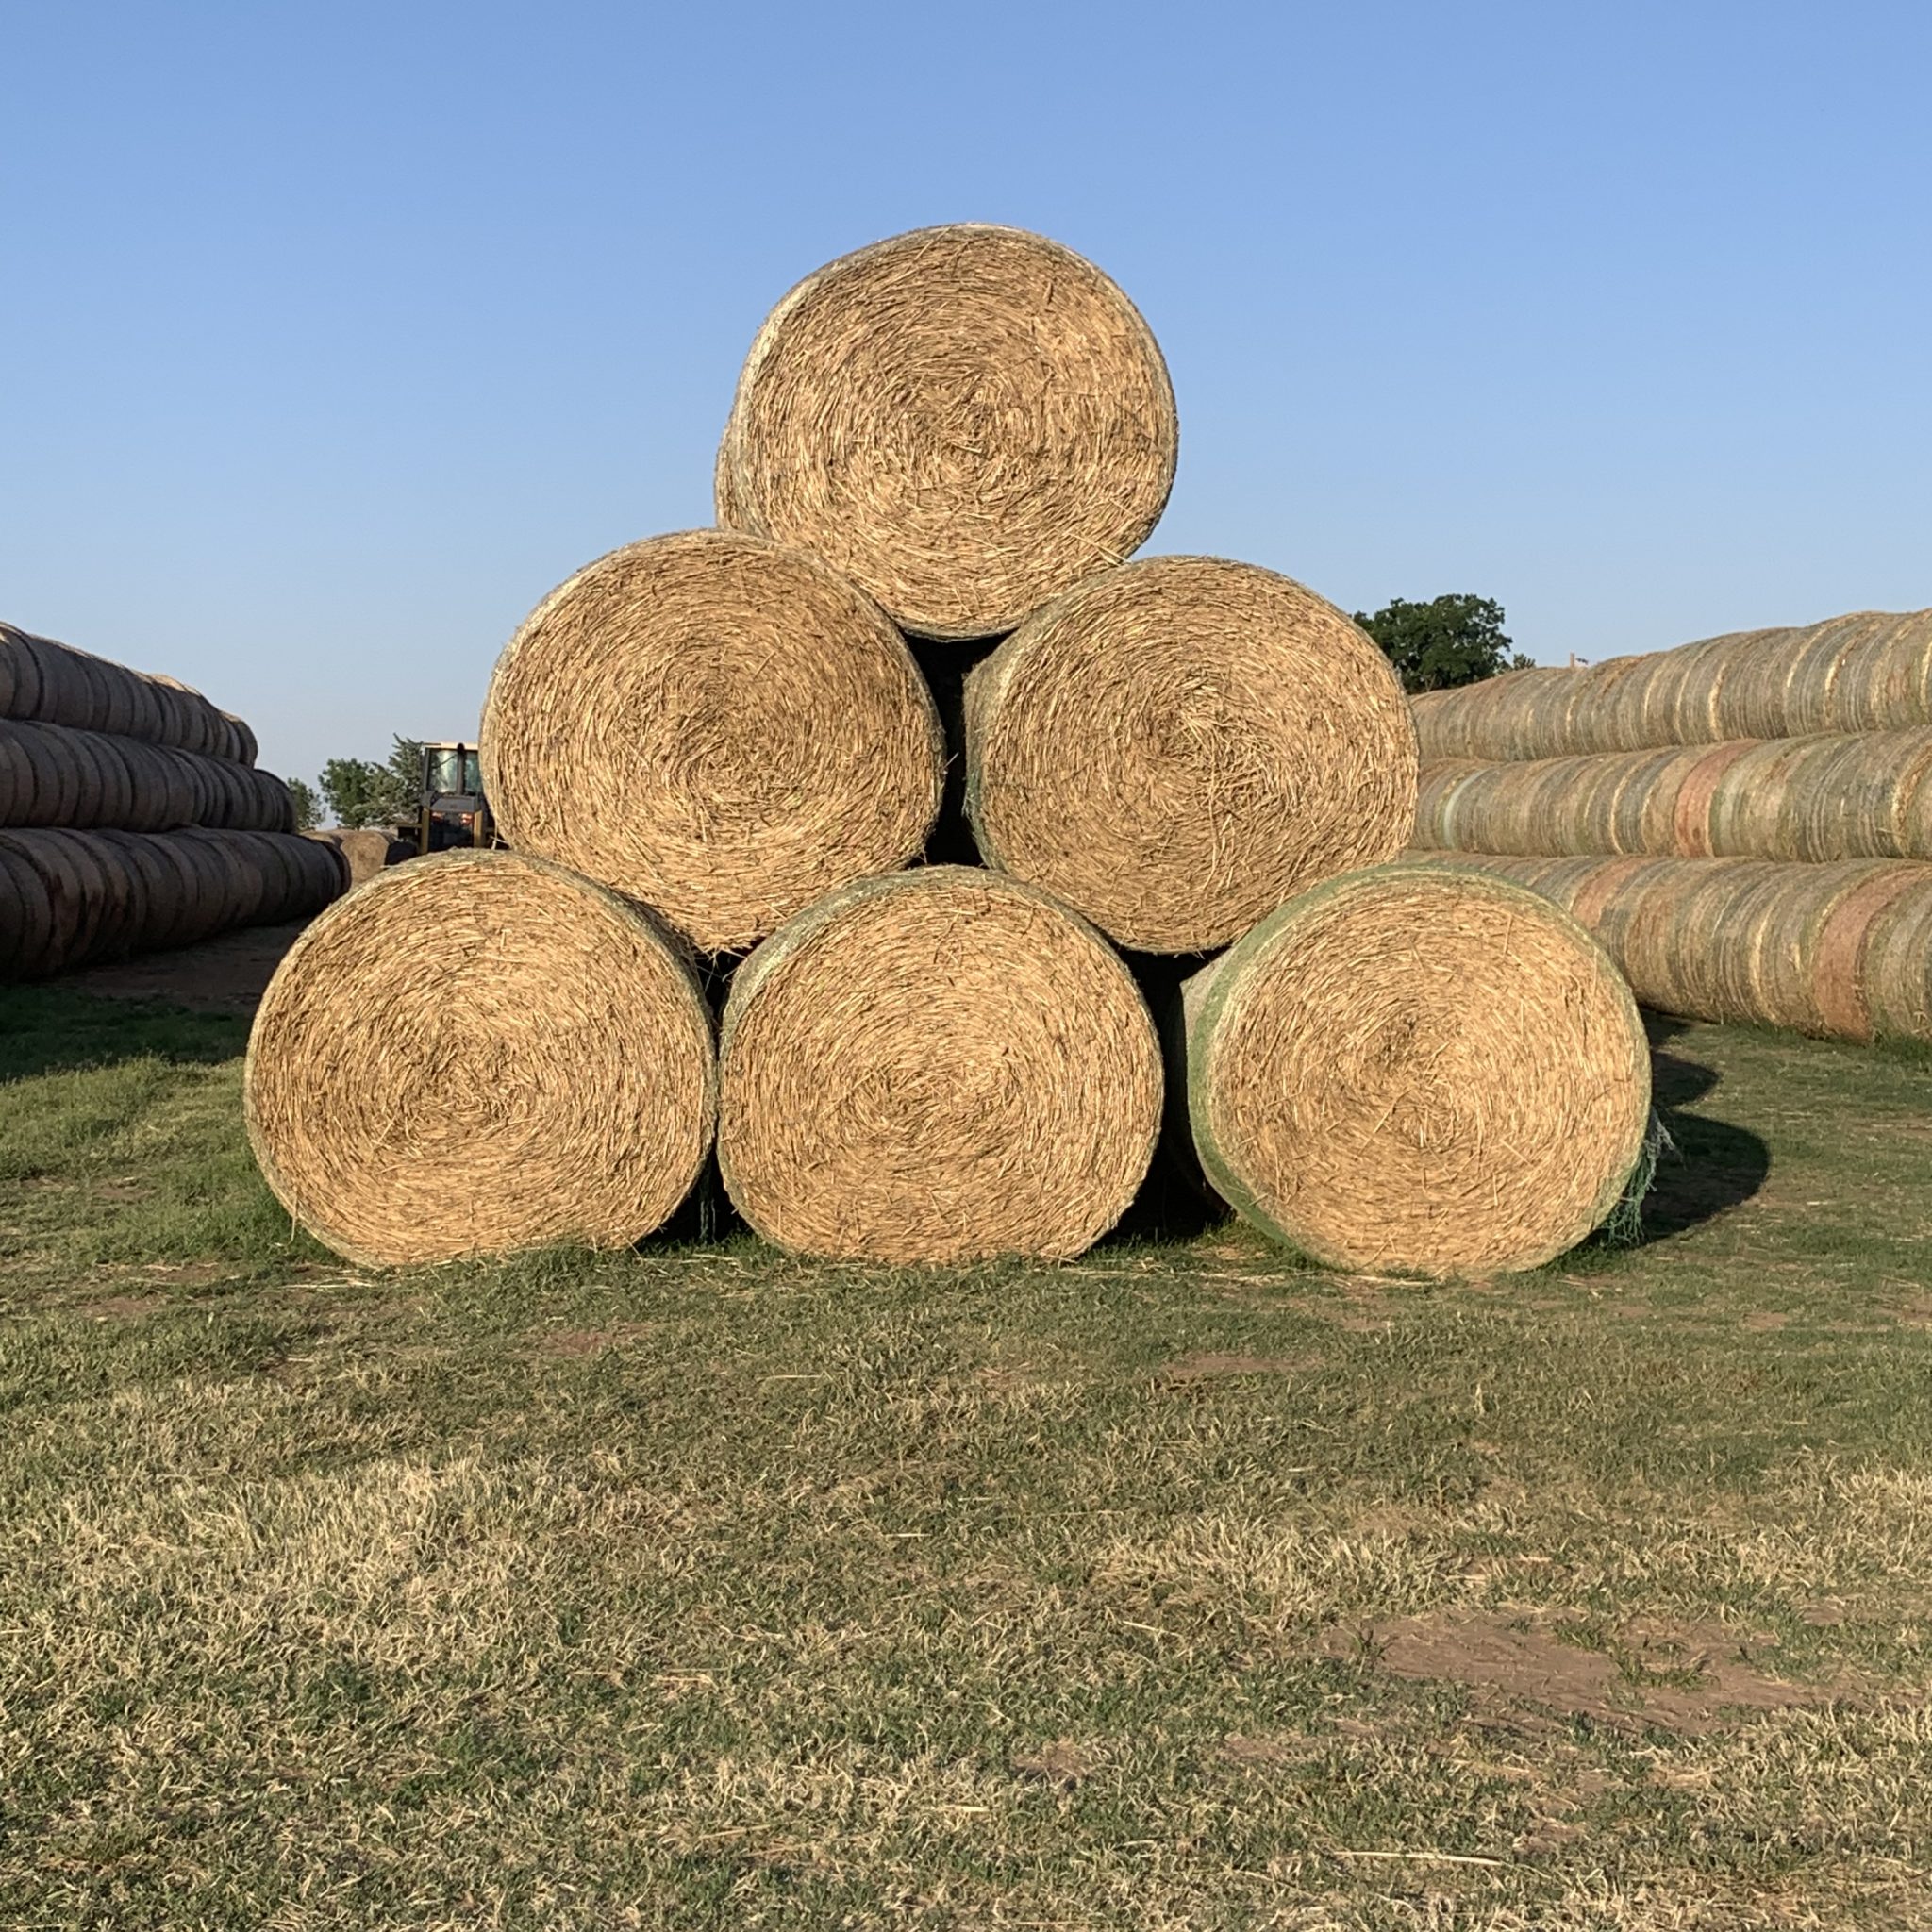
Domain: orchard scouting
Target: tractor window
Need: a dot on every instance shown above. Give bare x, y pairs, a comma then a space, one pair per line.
472, 774
445, 773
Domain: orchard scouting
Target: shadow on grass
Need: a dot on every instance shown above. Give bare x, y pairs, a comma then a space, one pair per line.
50, 1030
1716, 1165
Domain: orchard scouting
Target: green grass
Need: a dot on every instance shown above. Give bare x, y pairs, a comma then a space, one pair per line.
1178, 1588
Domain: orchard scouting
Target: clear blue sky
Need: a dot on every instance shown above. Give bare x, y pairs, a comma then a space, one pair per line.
333, 336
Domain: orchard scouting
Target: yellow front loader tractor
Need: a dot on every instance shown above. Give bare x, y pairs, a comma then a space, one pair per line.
451, 809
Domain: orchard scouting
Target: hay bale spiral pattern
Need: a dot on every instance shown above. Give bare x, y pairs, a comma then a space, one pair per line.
480, 1052
51, 683
71, 899
1410, 1071
964, 420
1177, 746
716, 727
934, 1066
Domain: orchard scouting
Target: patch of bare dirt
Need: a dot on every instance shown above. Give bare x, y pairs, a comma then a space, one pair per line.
584, 1341
1205, 1367
121, 1307
1681, 1678
1765, 1322
225, 975
1061, 1762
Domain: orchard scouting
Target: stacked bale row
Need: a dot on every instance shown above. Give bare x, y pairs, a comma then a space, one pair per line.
1869, 671
71, 899
949, 438
132, 816
1809, 799
55, 684
1841, 950
52, 775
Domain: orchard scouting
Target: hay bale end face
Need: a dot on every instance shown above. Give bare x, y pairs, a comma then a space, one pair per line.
936, 1066
716, 727
965, 420
1413, 1070
476, 1054
1177, 746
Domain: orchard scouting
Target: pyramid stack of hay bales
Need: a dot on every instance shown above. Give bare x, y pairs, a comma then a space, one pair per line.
1737, 810
949, 439
480, 1051
132, 816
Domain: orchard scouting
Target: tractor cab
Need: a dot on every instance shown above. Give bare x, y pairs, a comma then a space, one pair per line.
451, 809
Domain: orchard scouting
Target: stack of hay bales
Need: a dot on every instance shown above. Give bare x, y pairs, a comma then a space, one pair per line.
132, 816
942, 453
1745, 823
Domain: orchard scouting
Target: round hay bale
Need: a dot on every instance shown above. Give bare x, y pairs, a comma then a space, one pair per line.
1691, 815
26, 914
1896, 977
479, 1054
965, 420
934, 1066
1349, 1095
1842, 961
16, 775
1177, 746
718, 728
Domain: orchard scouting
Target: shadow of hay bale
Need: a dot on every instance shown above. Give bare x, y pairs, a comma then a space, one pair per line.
1716, 1165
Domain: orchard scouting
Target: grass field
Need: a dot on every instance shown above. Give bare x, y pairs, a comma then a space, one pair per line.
1177, 1587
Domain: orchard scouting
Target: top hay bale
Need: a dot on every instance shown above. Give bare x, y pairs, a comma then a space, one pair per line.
964, 420
720, 728
1411, 1070
1177, 746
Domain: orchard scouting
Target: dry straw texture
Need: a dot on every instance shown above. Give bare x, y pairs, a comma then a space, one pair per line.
1843, 796
71, 899
934, 1066
716, 727
1823, 948
54, 774
1410, 1071
54, 684
1869, 671
1176, 747
964, 420
480, 1052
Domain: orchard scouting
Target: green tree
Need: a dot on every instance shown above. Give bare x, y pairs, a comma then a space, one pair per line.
1454, 640
308, 805
361, 792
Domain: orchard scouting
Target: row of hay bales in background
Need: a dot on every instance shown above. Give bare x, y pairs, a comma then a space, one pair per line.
133, 818
1760, 878
720, 765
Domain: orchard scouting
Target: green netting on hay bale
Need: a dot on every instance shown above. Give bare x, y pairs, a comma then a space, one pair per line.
1348, 1096
932, 1066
